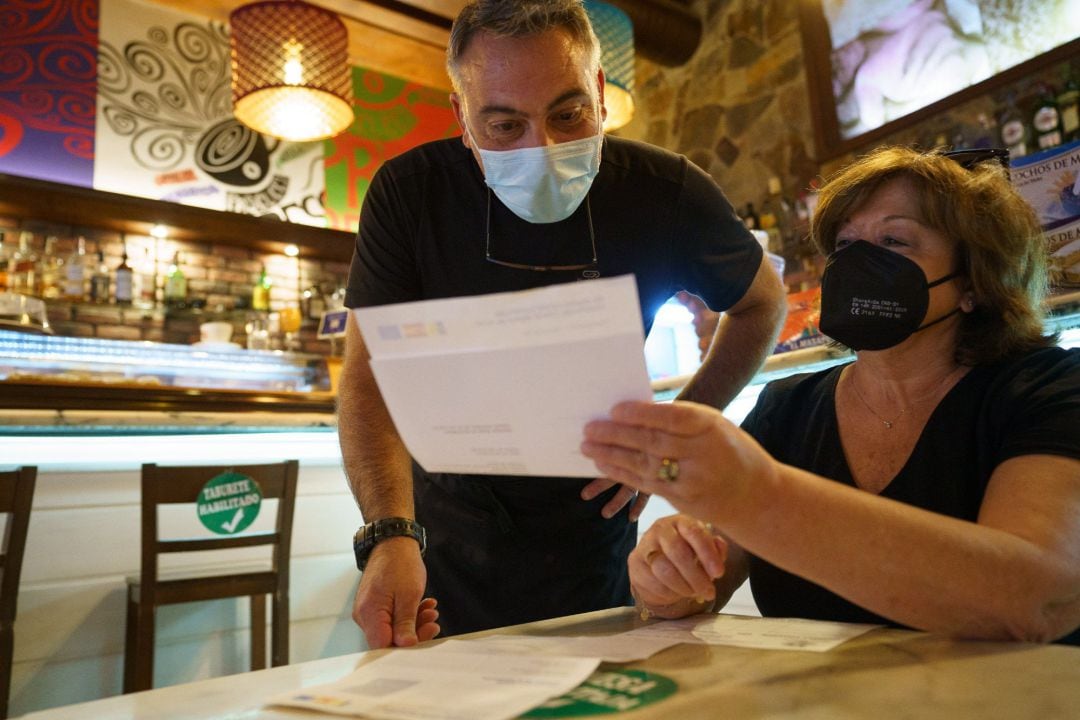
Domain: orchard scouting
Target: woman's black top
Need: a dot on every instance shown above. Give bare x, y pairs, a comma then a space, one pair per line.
1024, 406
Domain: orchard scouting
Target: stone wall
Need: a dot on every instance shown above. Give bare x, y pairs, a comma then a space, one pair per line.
739, 108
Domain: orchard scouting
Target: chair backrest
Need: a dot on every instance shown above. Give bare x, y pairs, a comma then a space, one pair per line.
182, 485
16, 496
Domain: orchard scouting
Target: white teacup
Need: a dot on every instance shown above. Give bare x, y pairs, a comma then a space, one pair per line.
215, 332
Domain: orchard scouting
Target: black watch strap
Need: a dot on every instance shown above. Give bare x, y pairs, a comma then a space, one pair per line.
370, 535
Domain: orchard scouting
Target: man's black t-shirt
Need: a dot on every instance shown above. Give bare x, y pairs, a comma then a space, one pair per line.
507, 550
423, 231
1028, 405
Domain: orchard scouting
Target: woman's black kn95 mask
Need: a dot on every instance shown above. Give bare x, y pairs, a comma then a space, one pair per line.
873, 298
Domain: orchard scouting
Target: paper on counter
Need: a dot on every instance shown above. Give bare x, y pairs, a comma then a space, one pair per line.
617, 648
456, 680
754, 632
504, 383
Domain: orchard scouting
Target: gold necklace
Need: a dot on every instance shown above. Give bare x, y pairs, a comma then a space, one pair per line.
887, 423
947, 383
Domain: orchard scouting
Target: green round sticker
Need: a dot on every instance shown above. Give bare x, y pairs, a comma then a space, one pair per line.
229, 502
608, 691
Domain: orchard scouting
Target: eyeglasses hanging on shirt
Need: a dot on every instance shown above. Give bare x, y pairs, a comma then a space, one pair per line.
589, 270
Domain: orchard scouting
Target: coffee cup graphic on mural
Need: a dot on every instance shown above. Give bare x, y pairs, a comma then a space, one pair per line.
234, 154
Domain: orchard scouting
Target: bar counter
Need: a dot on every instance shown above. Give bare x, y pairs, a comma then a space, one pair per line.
884, 674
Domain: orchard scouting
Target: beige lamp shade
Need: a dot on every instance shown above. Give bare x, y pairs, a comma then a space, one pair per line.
290, 70
620, 106
615, 32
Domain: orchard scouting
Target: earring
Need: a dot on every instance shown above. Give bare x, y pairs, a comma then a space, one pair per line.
967, 304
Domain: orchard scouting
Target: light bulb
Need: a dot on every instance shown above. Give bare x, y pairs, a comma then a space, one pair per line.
294, 69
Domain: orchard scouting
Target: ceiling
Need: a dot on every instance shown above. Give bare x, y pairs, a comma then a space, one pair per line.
407, 38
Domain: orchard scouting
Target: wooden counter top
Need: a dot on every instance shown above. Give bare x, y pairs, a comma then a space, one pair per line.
883, 674
130, 396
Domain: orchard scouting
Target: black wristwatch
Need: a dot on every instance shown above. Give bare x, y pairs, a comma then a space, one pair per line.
370, 535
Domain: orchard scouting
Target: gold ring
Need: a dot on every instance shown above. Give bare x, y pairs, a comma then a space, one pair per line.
669, 470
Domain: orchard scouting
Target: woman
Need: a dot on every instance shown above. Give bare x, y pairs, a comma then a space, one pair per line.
932, 483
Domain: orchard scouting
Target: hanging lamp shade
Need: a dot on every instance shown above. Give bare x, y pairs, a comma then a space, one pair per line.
290, 70
616, 33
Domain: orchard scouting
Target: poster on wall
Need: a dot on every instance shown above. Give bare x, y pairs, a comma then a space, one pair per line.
165, 128
1050, 182
48, 69
391, 116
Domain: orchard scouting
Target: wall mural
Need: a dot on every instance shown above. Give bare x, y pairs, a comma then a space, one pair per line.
48, 68
165, 128
132, 97
392, 116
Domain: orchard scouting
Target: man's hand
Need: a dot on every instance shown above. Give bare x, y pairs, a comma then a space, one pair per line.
388, 606
616, 503
705, 320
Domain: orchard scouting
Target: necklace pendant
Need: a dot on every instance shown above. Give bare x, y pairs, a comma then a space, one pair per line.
887, 424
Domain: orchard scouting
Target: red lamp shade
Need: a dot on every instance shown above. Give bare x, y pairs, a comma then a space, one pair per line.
290, 70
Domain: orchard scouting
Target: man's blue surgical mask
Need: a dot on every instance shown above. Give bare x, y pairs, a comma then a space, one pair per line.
543, 184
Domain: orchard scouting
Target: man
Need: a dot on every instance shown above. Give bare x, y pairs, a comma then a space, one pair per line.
532, 194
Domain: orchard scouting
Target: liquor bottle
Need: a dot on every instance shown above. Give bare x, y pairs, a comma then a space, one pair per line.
146, 280
23, 266
767, 218
1046, 121
260, 292
986, 133
100, 280
1015, 133
175, 293
784, 211
1069, 106
50, 270
124, 290
5, 258
314, 301
750, 218
74, 289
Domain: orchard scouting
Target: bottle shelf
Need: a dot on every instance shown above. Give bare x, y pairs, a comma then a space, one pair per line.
28, 197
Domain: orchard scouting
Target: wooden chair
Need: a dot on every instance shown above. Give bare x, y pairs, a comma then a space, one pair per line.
16, 495
179, 485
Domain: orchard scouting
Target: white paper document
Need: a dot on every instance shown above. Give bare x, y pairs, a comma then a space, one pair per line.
617, 648
504, 383
456, 680
754, 632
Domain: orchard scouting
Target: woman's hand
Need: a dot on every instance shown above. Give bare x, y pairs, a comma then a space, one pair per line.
685, 452
673, 567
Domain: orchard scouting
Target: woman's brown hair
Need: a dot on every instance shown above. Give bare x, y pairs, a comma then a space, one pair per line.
1001, 253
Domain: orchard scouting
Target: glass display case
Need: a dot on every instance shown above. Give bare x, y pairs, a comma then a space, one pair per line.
49, 359
50, 381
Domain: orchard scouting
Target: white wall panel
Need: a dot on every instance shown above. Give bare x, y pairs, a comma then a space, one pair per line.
84, 540
41, 685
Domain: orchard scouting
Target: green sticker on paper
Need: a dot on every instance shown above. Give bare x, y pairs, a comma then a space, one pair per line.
229, 503
608, 691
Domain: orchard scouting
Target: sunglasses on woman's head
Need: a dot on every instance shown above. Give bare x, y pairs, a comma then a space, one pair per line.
969, 158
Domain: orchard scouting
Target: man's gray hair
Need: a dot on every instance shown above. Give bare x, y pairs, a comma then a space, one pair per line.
519, 18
